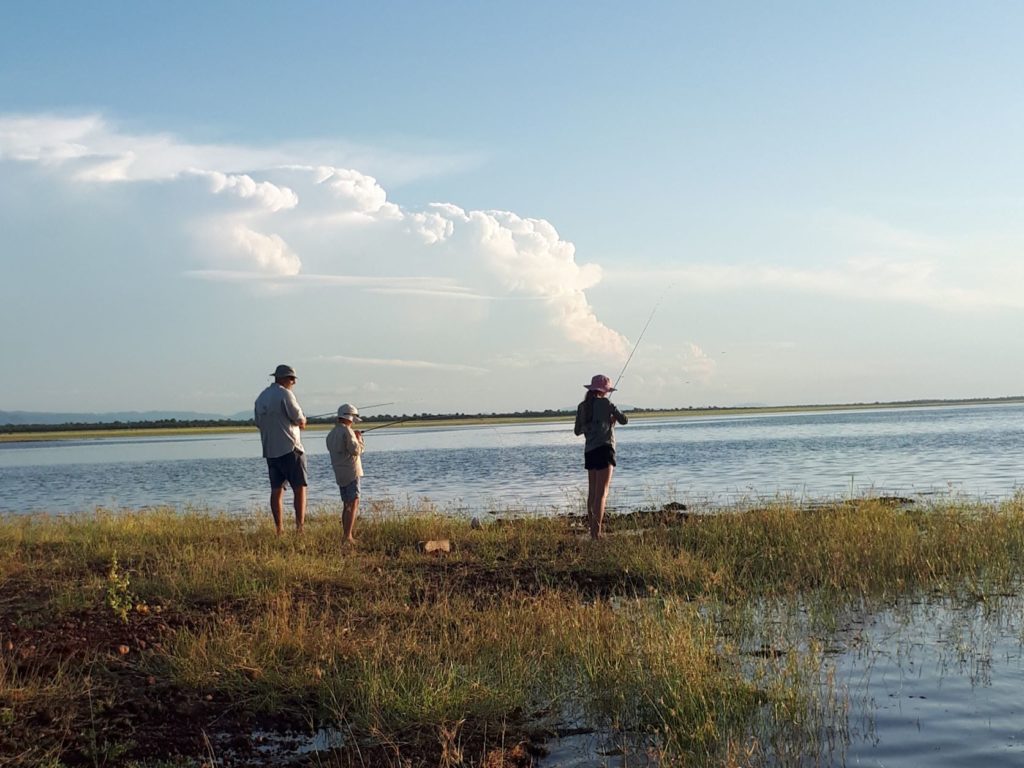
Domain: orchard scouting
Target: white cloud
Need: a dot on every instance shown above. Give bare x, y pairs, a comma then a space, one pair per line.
265, 253
356, 190
339, 194
47, 139
281, 219
446, 292
431, 226
265, 195
526, 257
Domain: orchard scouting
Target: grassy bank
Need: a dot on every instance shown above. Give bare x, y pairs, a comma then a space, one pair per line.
162, 639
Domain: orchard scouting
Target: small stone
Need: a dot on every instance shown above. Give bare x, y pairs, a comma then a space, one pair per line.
475, 524
435, 546
208, 697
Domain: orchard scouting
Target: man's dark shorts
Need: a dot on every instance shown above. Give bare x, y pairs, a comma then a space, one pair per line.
350, 492
599, 458
291, 468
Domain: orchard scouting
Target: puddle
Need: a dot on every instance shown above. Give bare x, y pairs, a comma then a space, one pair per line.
592, 750
268, 745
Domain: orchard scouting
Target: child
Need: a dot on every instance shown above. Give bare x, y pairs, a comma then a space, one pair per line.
345, 446
595, 418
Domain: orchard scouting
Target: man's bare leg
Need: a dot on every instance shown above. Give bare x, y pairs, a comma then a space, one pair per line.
300, 508
276, 495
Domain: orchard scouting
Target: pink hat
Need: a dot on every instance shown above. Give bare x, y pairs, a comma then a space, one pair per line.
600, 383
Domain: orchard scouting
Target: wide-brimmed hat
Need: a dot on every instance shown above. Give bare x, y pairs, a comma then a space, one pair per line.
284, 372
600, 383
348, 411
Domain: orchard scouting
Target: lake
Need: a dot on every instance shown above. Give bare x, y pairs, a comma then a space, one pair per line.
974, 451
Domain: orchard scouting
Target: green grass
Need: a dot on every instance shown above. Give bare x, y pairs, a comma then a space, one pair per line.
433, 658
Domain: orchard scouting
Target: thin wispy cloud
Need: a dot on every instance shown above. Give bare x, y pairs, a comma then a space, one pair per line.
868, 279
104, 152
864, 258
426, 365
426, 285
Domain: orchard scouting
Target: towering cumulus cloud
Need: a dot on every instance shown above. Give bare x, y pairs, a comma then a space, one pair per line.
527, 258
262, 215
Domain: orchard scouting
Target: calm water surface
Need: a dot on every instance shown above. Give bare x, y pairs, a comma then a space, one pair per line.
977, 451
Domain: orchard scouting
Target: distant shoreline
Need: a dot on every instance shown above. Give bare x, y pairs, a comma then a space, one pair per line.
42, 433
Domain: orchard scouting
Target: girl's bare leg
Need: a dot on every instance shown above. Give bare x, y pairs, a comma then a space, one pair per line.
591, 497
602, 480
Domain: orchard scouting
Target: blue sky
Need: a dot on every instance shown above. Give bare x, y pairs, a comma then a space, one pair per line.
475, 207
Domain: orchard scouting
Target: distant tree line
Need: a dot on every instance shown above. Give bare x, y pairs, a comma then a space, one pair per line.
82, 426
389, 417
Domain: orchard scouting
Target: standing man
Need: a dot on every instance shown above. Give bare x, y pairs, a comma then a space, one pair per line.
279, 419
345, 446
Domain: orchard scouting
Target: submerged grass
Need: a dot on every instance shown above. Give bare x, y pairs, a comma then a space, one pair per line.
658, 632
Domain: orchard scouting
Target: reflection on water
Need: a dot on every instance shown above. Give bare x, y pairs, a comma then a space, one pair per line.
977, 450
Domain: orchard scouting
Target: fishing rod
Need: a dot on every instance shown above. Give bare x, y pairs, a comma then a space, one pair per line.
390, 424
333, 413
639, 339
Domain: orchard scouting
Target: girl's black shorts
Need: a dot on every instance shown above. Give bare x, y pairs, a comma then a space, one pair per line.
599, 458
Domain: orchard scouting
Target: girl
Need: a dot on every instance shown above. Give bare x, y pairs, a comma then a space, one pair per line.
595, 418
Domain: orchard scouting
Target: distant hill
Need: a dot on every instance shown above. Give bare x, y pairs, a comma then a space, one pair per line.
19, 418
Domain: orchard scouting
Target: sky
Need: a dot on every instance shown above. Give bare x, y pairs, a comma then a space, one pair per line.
474, 207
